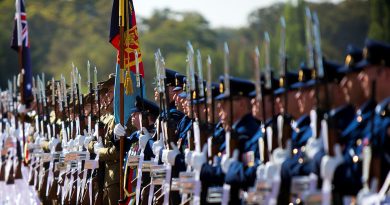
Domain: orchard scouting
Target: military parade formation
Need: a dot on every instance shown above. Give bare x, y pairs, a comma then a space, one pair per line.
314, 133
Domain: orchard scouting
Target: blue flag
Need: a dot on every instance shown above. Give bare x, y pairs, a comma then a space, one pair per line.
20, 43
129, 100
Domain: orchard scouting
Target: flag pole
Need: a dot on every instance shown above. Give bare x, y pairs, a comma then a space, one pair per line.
121, 92
20, 64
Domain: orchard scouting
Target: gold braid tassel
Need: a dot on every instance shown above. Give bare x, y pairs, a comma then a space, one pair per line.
128, 84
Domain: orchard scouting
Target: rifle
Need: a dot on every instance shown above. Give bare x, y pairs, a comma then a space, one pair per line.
46, 117
168, 132
375, 176
169, 121
144, 122
3, 157
264, 154
271, 142
209, 104
285, 130
102, 169
159, 129
190, 73
81, 105
203, 124
230, 144
320, 74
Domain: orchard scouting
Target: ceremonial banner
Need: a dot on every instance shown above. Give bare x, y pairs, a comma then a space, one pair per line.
131, 45
20, 39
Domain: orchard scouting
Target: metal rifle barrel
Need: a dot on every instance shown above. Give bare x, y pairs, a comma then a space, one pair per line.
285, 86
92, 98
167, 99
38, 112
68, 101
192, 104
98, 102
79, 103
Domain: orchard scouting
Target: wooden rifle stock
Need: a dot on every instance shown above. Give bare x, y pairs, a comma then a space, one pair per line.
376, 163
2, 168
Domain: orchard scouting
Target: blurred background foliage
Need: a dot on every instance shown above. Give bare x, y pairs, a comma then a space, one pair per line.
62, 32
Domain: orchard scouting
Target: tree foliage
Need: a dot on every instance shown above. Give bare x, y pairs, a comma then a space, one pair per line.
62, 32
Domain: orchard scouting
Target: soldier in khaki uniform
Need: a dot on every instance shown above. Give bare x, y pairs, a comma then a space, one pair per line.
106, 150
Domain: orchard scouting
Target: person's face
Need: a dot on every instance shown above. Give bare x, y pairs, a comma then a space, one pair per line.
366, 77
279, 103
135, 121
223, 108
177, 99
256, 109
183, 104
201, 113
292, 105
352, 88
171, 93
156, 95
95, 108
87, 109
305, 100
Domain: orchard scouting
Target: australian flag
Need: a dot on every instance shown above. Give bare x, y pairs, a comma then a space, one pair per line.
21, 43
131, 44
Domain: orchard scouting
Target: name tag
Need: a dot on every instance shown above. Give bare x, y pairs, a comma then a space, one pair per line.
132, 161
91, 164
146, 166
46, 157
70, 157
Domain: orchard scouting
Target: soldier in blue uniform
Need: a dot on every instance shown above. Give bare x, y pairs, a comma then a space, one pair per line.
300, 129
347, 176
240, 169
374, 78
307, 143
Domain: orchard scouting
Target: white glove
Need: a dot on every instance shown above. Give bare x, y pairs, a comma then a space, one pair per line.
157, 146
37, 138
21, 108
71, 144
329, 164
144, 138
313, 122
280, 155
226, 161
313, 146
119, 131
271, 170
188, 156
64, 134
364, 194
172, 154
30, 130
53, 143
16, 133
80, 140
260, 172
164, 157
87, 140
199, 158
97, 147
